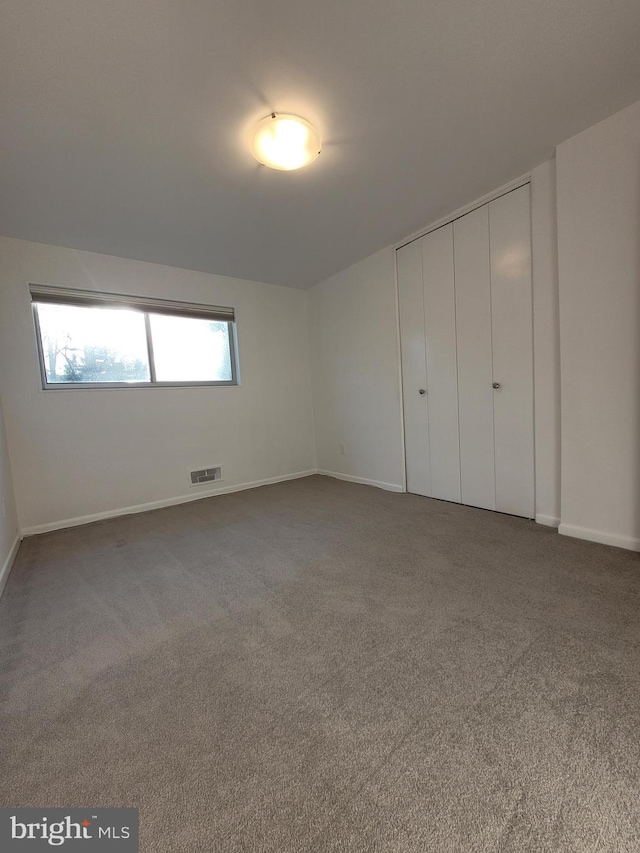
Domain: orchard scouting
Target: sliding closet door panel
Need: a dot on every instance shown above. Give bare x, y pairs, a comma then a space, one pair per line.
440, 328
414, 368
511, 309
473, 329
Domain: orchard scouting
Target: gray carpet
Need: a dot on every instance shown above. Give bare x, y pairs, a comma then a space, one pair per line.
320, 666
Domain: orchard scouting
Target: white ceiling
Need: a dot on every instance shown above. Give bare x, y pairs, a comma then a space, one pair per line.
123, 123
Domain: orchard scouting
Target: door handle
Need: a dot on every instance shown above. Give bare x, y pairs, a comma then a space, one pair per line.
496, 385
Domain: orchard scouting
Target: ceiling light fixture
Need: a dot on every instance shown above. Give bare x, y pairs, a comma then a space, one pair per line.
285, 142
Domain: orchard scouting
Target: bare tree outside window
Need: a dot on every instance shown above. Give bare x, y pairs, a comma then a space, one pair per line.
96, 345
93, 344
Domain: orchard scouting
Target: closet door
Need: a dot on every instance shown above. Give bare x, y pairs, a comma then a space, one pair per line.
414, 368
475, 371
442, 370
512, 324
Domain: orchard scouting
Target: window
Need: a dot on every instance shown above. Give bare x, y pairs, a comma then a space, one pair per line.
105, 340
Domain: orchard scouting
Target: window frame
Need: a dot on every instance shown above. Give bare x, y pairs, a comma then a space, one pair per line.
143, 305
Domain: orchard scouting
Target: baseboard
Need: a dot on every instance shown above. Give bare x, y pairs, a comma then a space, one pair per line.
180, 499
390, 487
8, 563
547, 520
616, 539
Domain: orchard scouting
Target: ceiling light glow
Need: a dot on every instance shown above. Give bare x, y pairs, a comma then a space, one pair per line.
285, 142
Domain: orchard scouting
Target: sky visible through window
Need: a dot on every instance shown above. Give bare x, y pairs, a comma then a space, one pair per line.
109, 345
183, 346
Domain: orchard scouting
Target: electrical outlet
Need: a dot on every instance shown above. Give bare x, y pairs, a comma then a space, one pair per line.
343, 450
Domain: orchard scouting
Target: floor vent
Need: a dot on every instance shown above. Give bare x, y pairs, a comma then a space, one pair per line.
206, 475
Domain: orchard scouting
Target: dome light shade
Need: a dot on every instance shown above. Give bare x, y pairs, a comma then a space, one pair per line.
285, 142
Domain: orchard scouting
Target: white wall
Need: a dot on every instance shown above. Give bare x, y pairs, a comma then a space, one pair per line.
355, 373
546, 342
598, 174
76, 453
9, 539
82, 452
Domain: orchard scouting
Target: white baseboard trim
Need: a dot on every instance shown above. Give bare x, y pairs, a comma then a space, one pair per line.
389, 487
616, 539
8, 563
180, 499
547, 520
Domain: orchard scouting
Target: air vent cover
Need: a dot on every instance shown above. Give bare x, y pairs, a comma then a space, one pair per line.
205, 475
